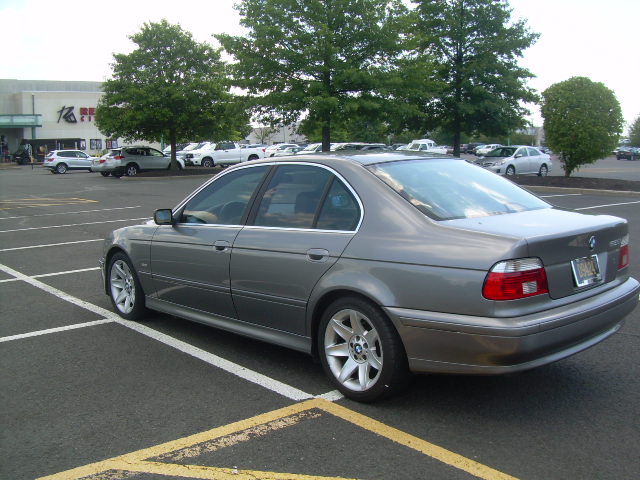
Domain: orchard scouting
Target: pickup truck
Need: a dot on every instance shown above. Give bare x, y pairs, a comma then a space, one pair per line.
220, 153
426, 145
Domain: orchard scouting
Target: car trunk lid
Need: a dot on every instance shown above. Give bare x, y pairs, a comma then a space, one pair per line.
578, 251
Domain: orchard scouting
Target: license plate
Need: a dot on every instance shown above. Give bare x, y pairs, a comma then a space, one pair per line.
586, 270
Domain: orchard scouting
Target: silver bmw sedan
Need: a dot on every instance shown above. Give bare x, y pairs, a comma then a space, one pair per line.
380, 264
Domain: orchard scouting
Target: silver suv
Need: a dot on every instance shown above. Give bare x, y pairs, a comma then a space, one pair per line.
131, 160
59, 161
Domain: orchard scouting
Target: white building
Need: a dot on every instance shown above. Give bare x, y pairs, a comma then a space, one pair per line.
51, 115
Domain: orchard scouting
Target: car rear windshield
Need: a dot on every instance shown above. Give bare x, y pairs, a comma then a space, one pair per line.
449, 189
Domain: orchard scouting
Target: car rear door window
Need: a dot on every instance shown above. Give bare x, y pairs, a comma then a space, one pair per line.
292, 198
340, 210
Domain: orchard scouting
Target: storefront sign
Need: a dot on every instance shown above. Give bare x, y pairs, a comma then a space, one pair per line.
87, 114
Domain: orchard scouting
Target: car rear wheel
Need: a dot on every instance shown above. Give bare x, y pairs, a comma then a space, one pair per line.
361, 351
207, 162
124, 288
510, 170
132, 170
544, 170
61, 168
105, 174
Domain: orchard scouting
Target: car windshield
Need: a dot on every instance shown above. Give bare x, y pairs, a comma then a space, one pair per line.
446, 190
501, 152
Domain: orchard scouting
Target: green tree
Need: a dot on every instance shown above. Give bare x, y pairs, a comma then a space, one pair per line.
322, 59
170, 87
582, 121
474, 45
634, 132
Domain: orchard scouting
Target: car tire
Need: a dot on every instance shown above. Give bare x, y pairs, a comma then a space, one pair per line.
253, 157
105, 174
125, 291
511, 170
207, 163
544, 170
61, 168
132, 170
361, 351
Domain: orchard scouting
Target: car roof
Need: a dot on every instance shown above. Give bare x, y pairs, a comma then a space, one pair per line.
364, 158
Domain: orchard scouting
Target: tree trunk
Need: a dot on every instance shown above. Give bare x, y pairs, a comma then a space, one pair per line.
173, 165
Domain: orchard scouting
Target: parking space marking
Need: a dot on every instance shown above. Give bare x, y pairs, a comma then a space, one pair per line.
562, 195
69, 213
74, 224
50, 245
16, 203
150, 460
55, 330
219, 362
608, 205
55, 274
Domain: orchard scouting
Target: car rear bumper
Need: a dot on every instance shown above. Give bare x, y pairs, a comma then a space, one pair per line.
447, 343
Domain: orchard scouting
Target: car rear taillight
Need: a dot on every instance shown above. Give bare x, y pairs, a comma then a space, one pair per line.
119, 157
513, 279
623, 259
102, 160
49, 159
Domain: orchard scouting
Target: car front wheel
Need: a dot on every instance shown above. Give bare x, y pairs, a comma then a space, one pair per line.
510, 170
61, 168
207, 162
124, 288
361, 351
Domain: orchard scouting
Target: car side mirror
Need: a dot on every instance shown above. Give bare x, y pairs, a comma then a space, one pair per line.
518, 155
163, 216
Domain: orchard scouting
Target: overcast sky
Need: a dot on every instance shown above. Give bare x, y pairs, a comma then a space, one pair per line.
75, 39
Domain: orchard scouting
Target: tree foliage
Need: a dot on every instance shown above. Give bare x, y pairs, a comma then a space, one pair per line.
634, 132
479, 87
582, 121
323, 59
169, 87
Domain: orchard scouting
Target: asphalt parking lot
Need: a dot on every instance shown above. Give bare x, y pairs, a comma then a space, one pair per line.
87, 395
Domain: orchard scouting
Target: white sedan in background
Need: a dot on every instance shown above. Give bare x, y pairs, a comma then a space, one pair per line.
516, 160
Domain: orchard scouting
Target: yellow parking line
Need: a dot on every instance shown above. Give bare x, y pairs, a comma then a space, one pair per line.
260, 425
16, 203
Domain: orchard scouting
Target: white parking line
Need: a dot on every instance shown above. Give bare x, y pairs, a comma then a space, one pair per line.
55, 330
608, 205
55, 274
74, 224
561, 195
230, 367
70, 213
50, 245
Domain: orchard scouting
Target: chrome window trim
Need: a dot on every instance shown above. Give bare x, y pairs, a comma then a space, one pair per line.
242, 167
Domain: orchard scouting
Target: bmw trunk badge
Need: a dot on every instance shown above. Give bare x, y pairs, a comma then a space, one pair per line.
592, 242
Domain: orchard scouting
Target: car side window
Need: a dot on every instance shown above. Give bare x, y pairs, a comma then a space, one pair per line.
522, 152
66, 154
293, 197
340, 210
533, 151
224, 201
155, 153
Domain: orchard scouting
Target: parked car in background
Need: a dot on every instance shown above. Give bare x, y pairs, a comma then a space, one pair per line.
131, 160
396, 146
427, 146
470, 148
628, 153
516, 159
311, 148
484, 149
60, 161
380, 264
179, 146
225, 153
287, 151
271, 150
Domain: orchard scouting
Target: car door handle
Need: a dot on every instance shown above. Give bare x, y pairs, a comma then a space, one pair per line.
317, 254
221, 245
